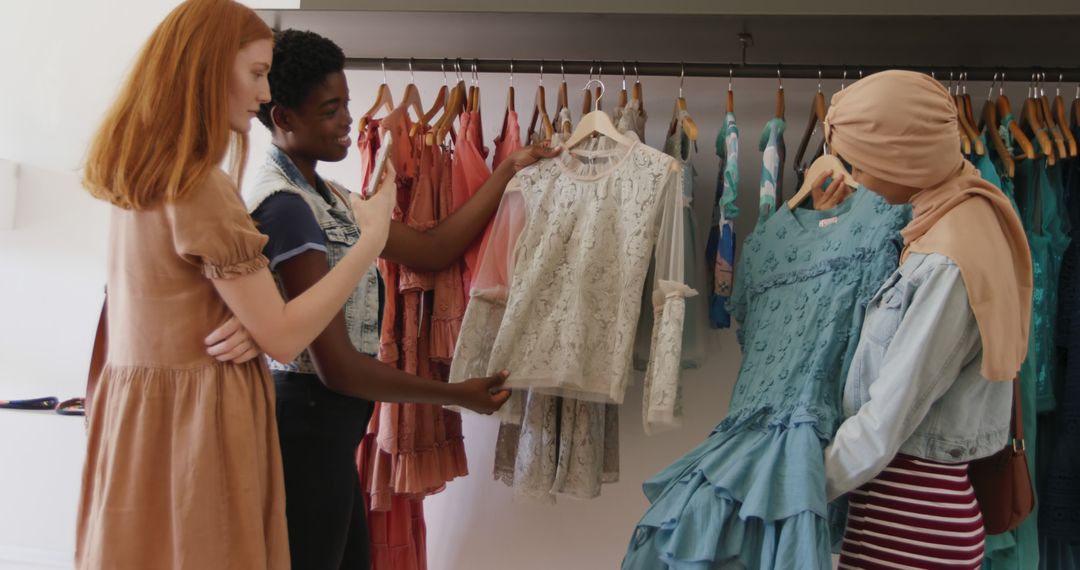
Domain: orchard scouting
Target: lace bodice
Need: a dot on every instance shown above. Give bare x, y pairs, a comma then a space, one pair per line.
557, 297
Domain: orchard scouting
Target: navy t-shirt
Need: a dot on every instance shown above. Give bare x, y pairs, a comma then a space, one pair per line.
291, 226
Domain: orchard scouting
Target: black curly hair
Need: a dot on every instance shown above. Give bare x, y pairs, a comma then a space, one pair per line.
302, 60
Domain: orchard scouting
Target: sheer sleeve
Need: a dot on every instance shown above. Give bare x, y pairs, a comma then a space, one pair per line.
211, 229
661, 401
490, 288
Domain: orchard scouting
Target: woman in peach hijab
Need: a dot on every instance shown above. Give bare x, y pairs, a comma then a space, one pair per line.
928, 390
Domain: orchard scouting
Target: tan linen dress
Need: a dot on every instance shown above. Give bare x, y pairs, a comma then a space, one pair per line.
183, 468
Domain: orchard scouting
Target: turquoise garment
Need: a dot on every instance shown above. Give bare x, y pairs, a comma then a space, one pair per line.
720, 247
754, 490
772, 167
1039, 197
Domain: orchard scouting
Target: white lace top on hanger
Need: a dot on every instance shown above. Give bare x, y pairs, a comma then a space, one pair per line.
557, 296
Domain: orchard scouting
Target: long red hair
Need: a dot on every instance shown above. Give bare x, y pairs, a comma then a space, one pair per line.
170, 124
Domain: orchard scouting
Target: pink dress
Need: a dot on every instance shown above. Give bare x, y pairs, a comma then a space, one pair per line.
509, 139
470, 172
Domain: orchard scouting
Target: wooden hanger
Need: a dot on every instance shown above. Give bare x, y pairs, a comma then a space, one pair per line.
540, 110
383, 100
562, 101
1051, 123
989, 124
636, 93
454, 106
596, 122
622, 92
824, 163
730, 91
1004, 109
964, 115
680, 113
1063, 123
586, 103
439, 104
1031, 115
780, 107
817, 117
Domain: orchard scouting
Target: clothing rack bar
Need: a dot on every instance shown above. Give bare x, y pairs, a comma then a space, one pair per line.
557, 67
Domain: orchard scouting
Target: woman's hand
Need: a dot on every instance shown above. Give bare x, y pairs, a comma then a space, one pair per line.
529, 155
232, 343
373, 214
481, 394
831, 197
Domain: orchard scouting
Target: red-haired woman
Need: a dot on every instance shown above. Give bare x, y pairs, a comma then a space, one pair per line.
183, 468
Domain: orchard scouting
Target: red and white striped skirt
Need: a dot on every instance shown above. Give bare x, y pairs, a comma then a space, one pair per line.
915, 514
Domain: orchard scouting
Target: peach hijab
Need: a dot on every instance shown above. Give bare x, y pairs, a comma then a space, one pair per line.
901, 126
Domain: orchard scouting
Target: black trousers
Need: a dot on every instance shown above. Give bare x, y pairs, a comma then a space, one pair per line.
319, 431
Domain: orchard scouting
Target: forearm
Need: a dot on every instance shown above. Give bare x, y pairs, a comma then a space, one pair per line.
440, 246
282, 329
361, 376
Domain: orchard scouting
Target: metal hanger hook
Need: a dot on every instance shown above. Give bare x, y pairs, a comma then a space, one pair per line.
624, 76
541, 72
511, 73
637, 77
383, 64
730, 77
843, 80
412, 76
1001, 86
591, 69
779, 79
596, 103
819, 79
990, 94
562, 69
442, 66
1061, 77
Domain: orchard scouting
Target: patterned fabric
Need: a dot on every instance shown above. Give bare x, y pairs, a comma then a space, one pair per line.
754, 491
589, 218
548, 445
772, 167
720, 249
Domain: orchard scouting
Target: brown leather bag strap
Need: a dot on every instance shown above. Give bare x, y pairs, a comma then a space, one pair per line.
1018, 416
97, 355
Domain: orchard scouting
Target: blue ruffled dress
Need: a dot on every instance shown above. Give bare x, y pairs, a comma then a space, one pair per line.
753, 493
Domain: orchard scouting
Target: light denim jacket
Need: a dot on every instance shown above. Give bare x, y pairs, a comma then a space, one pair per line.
362, 310
914, 385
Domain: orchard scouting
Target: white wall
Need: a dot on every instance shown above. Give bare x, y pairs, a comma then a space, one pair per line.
61, 62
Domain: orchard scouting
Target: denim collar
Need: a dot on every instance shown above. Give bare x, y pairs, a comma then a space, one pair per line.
280, 159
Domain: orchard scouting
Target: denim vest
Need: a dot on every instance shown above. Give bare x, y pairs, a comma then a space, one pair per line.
970, 417
362, 310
